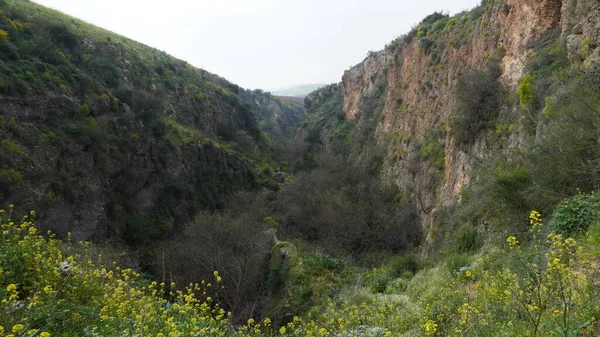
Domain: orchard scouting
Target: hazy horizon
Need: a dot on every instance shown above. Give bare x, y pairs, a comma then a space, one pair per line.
263, 44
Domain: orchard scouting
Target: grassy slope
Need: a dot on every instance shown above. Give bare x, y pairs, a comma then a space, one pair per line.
115, 136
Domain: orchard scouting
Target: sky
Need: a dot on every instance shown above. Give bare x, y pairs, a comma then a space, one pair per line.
262, 44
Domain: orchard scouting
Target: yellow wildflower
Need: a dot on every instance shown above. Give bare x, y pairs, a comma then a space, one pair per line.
18, 327
430, 328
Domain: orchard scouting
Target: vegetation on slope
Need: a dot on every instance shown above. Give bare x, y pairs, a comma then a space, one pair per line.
334, 211
538, 283
103, 135
556, 118
532, 148
349, 265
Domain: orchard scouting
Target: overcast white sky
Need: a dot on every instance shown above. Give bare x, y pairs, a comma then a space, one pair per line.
266, 44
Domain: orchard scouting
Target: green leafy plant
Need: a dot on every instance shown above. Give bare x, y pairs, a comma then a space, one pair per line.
3, 35
526, 91
586, 46
574, 215
456, 262
468, 239
10, 177
401, 265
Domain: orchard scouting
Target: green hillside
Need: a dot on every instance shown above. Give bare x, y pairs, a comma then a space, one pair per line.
105, 136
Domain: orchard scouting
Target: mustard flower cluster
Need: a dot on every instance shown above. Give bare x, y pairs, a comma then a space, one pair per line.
45, 291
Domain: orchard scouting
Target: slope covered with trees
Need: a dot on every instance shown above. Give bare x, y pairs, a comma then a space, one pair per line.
106, 136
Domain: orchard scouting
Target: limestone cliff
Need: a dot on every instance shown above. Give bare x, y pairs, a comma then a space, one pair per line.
408, 90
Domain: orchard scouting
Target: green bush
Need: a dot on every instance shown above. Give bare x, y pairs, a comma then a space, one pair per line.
84, 109
456, 262
468, 239
568, 142
478, 96
400, 265
271, 222
511, 186
592, 239
432, 150
10, 177
439, 25
380, 283
425, 45
9, 146
548, 58
586, 46
575, 215
526, 91
324, 261
398, 285
432, 24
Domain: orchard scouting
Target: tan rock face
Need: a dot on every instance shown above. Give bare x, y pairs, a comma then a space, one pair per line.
523, 23
420, 89
360, 79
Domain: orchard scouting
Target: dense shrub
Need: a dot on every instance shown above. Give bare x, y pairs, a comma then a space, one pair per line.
11, 177
432, 23
526, 91
380, 283
63, 37
425, 45
586, 46
456, 263
574, 215
511, 187
347, 210
3, 35
9, 51
231, 241
468, 240
478, 96
568, 141
548, 58
403, 264
432, 150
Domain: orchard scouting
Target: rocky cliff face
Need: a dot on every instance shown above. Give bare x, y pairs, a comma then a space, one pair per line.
410, 87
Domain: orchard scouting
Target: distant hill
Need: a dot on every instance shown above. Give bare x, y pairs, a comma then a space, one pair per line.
299, 99
298, 91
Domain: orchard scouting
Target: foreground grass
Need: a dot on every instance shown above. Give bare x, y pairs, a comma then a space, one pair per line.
47, 290
544, 288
